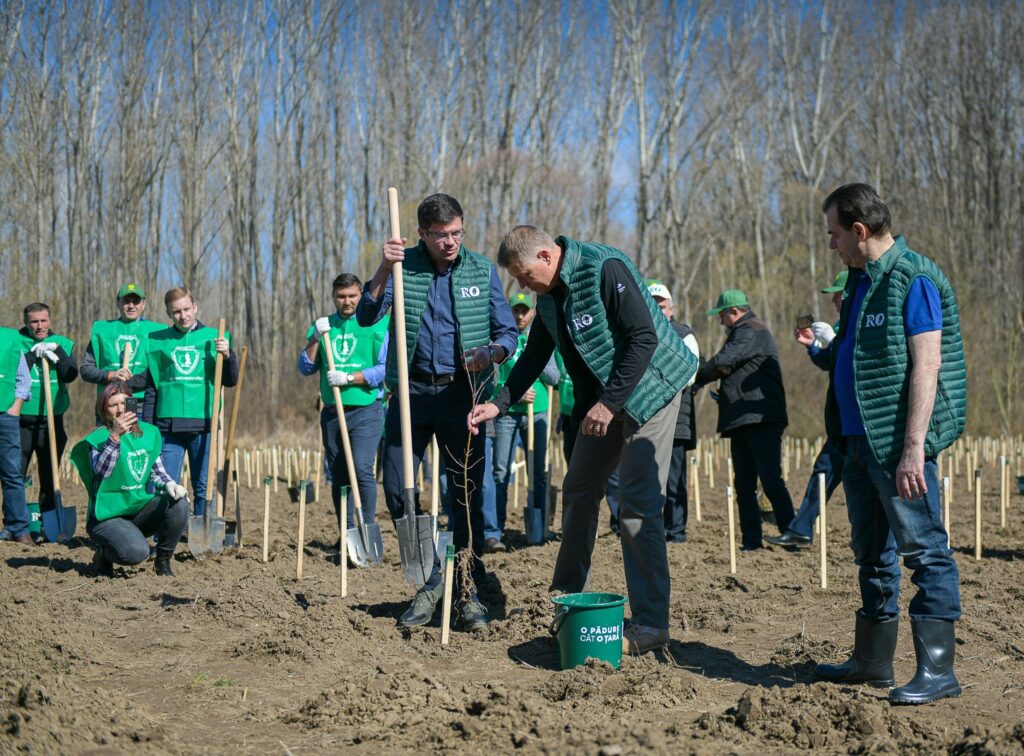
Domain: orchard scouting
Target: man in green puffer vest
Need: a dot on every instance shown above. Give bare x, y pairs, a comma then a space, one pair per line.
40, 343
897, 397
628, 367
458, 326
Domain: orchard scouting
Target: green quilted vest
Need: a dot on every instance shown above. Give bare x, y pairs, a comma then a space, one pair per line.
471, 292
123, 492
109, 339
36, 406
586, 320
10, 356
881, 358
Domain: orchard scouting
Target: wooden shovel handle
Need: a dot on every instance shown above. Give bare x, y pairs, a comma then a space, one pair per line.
126, 360
230, 446
50, 430
353, 484
401, 355
218, 371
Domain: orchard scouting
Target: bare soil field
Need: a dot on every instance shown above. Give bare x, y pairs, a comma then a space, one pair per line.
234, 655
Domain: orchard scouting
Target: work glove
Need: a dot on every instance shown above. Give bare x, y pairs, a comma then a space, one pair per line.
176, 491
338, 378
322, 325
823, 333
45, 349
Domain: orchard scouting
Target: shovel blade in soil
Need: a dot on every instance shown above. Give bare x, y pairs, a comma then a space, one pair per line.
59, 523
415, 542
356, 551
374, 544
206, 535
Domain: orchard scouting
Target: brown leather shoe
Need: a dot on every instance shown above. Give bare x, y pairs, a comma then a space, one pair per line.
25, 539
493, 546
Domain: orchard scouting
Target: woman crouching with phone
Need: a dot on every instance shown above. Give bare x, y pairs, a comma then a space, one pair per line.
117, 461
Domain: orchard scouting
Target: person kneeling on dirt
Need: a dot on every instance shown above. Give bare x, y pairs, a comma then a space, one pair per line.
116, 462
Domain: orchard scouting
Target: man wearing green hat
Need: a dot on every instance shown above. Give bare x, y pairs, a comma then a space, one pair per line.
110, 339
751, 412
817, 338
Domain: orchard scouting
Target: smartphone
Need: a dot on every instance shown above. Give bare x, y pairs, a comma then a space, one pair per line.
804, 321
131, 404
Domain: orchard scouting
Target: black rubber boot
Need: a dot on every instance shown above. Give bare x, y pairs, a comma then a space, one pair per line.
162, 565
934, 645
874, 647
102, 566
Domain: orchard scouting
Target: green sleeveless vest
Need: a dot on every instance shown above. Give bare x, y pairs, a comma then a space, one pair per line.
540, 402
587, 322
36, 406
355, 348
471, 292
881, 358
182, 367
123, 493
109, 339
566, 395
10, 356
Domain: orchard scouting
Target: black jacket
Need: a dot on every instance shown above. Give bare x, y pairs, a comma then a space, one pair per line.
686, 422
751, 390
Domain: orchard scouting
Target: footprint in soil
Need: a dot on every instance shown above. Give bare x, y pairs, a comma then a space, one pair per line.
725, 665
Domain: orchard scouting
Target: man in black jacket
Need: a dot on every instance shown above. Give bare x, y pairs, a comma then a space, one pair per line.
751, 412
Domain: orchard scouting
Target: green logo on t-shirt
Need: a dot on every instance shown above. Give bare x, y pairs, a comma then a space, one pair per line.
124, 340
138, 463
344, 346
186, 359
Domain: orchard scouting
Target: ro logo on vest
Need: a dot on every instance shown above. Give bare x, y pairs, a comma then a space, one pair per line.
873, 320
138, 461
186, 359
579, 322
468, 292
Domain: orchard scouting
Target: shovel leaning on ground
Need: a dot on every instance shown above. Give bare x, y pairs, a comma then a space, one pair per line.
415, 534
59, 523
442, 538
235, 538
365, 544
206, 531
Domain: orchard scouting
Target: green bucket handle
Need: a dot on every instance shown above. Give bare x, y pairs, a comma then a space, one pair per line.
560, 614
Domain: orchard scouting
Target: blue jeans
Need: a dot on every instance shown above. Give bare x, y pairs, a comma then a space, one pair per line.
15, 510
884, 525
506, 430
197, 446
363, 425
830, 462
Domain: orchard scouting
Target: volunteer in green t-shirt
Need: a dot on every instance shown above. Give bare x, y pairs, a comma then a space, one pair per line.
117, 462
359, 353
104, 354
38, 343
514, 424
179, 388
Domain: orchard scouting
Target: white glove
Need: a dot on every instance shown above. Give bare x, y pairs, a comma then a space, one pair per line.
823, 333
45, 349
322, 325
176, 491
338, 378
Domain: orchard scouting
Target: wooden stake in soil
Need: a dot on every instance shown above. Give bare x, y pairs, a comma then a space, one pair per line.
1004, 490
276, 470
266, 517
446, 607
823, 527
696, 487
302, 530
319, 474
977, 515
945, 507
435, 481
732, 531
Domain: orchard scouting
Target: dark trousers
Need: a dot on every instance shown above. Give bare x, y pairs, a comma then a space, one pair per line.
440, 410
676, 500
363, 425
830, 462
35, 439
123, 539
757, 453
568, 429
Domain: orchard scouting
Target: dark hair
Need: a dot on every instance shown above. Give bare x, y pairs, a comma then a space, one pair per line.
114, 387
35, 307
859, 203
345, 280
439, 209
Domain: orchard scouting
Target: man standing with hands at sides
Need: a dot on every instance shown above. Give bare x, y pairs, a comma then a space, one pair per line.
40, 343
628, 367
179, 389
109, 338
359, 355
897, 397
15, 390
458, 328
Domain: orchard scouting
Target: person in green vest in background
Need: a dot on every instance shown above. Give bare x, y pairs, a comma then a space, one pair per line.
179, 388
628, 367
359, 354
566, 402
15, 390
514, 424
104, 354
118, 461
39, 343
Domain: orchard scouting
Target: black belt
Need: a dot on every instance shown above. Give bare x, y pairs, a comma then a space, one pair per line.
436, 380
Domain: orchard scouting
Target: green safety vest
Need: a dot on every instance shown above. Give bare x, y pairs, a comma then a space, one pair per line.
566, 395
36, 406
182, 367
540, 401
109, 339
471, 292
10, 357
355, 348
123, 493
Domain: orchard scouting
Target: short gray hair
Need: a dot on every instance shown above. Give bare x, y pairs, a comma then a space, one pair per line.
521, 243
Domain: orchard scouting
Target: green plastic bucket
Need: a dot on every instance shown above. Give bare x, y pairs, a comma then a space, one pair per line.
588, 626
35, 522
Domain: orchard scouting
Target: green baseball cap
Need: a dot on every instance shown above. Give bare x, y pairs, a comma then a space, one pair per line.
522, 299
838, 283
130, 288
729, 298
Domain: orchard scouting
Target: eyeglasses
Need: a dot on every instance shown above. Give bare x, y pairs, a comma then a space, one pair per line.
455, 235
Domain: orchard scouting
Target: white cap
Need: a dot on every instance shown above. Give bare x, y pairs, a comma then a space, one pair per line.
660, 290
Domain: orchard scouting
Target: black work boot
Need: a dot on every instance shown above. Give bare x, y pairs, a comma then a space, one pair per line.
934, 645
162, 565
874, 647
102, 566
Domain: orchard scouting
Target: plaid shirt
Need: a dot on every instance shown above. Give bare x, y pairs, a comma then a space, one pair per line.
104, 460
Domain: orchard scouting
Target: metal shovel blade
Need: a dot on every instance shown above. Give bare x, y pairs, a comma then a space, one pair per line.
415, 542
356, 551
442, 540
60, 522
206, 533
